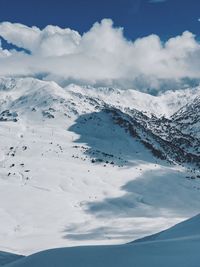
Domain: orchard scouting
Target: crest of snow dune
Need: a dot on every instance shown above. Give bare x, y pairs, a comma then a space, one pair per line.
101, 56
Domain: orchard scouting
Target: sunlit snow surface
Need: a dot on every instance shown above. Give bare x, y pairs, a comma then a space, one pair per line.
53, 195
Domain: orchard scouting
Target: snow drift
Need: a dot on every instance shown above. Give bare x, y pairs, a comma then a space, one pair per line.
176, 247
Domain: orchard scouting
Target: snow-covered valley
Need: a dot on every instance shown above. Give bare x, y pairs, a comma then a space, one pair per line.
94, 166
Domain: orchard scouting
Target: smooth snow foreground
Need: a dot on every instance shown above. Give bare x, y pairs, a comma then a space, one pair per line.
176, 247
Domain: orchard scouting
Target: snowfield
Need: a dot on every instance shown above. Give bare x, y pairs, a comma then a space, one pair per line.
71, 176
176, 247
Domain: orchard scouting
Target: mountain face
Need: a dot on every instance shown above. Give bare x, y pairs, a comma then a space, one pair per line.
82, 165
187, 118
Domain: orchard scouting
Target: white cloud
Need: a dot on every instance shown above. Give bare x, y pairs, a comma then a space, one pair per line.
52, 40
102, 56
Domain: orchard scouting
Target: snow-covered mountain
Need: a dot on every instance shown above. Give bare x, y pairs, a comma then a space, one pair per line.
188, 118
175, 247
87, 166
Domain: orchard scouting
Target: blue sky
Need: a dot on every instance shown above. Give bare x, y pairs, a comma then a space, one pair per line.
138, 17
104, 54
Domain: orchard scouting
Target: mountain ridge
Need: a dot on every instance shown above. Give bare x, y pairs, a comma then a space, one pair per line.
113, 170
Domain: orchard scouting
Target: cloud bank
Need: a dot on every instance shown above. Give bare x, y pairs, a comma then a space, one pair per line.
102, 56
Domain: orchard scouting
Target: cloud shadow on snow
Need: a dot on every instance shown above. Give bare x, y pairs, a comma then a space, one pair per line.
105, 232
155, 193
107, 141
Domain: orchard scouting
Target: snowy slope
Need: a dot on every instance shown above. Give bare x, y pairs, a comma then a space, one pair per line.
176, 247
71, 174
187, 118
6, 258
185, 230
